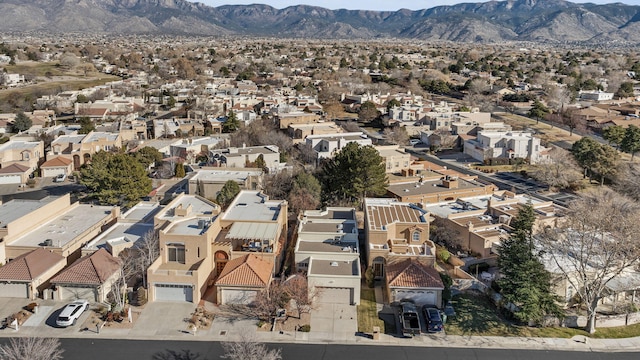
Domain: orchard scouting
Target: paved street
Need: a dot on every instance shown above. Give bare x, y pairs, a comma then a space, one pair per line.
83, 349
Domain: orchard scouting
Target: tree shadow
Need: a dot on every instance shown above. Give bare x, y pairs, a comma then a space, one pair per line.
177, 355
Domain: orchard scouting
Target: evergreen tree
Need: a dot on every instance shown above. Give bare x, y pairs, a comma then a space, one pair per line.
86, 125
115, 178
354, 173
21, 122
231, 124
614, 134
227, 193
631, 141
180, 173
525, 282
538, 111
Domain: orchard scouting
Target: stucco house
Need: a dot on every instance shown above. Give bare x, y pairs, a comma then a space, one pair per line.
242, 279
90, 278
408, 279
27, 276
57, 166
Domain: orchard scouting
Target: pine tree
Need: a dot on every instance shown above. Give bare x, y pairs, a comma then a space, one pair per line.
227, 193
525, 282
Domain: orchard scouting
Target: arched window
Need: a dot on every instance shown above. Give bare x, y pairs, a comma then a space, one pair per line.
415, 236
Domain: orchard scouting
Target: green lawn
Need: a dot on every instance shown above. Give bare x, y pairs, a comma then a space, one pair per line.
367, 313
476, 315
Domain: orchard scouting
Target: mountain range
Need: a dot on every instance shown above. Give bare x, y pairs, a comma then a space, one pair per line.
493, 21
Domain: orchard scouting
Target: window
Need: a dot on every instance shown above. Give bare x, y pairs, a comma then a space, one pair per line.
415, 236
176, 253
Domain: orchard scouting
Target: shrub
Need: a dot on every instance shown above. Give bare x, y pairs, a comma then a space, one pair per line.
305, 328
369, 278
444, 255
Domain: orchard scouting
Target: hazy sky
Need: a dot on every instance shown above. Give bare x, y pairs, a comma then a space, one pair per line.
371, 4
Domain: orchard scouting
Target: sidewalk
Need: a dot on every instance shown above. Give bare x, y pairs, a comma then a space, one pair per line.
165, 321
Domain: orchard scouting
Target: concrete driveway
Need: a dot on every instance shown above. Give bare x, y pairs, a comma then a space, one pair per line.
163, 318
333, 322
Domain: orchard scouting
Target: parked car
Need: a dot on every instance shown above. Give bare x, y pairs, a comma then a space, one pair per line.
434, 320
414, 142
70, 313
60, 178
409, 319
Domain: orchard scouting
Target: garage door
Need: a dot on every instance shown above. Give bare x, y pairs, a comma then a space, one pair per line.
14, 290
232, 296
53, 172
173, 292
327, 295
75, 293
419, 297
10, 179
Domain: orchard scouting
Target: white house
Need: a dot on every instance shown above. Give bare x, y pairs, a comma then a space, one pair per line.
326, 145
505, 144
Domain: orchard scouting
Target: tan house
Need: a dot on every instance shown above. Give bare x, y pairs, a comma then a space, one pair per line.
90, 278
395, 159
246, 157
252, 224
187, 227
56, 225
242, 279
208, 182
15, 174
299, 132
27, 276
409, 279
285, 119
57, 166
24, 153
80, 148
396, 230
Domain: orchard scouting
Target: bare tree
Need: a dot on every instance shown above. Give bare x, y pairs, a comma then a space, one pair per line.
269, 301
559, 171
396, 136
590, 249
627, 180
297, 288
248, 348
149, 250
32, 348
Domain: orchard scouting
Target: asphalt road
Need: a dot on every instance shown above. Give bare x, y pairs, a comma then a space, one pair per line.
83, 349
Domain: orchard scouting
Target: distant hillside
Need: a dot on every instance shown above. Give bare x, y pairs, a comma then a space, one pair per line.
519, 20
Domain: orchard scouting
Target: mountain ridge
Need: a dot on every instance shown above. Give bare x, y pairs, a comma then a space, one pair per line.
492, 21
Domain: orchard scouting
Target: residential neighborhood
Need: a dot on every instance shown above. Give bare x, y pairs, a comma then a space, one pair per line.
343, 192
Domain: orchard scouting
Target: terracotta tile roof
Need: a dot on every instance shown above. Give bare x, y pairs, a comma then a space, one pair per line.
93, 269
412, 274
248, 270
14, 169
30, 266
57, 162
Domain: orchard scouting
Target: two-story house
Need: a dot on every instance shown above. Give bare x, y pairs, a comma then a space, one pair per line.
399, 251
80, 148
187, 227
327, 251
326, 145
510, 145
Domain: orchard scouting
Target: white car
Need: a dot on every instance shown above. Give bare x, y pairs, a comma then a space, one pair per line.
70, 313
60, 178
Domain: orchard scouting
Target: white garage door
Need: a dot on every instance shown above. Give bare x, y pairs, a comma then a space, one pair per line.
10, 179
419, 297
75, 293
53, 172
173, 292
327, 295
233, 296
14, 290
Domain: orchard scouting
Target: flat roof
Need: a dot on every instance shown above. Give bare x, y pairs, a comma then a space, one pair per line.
336, 213
327, 246
221, 175
329, 267
17, 145
144, 210
381, 212
429, 187
253, 206
199, 206
189, 226
98, 135
17, 208
344, 227
119, 233
65, 227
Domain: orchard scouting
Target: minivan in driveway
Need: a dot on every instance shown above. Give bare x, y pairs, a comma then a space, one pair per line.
70, 313
433, 318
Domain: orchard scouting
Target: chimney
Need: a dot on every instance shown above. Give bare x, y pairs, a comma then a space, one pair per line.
450, 182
